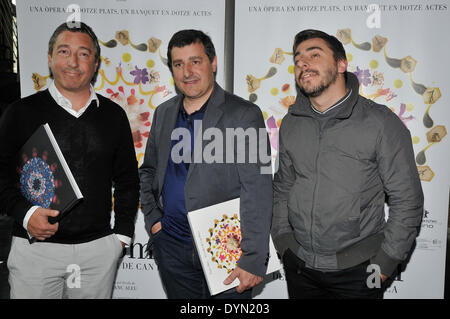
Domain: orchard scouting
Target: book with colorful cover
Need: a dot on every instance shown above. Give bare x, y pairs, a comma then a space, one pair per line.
216, 231
45, 179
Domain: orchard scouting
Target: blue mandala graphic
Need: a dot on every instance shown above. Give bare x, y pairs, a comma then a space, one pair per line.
37, 182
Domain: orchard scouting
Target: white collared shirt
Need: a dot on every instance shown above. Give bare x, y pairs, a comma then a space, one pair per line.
62, 101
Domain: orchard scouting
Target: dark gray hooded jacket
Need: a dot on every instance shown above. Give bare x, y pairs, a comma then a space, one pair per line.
332, 182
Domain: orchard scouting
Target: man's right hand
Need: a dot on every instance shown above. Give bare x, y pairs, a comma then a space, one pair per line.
156, 228
38, 225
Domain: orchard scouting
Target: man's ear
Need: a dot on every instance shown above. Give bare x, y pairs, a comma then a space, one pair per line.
214, 64
342, 65
49, 59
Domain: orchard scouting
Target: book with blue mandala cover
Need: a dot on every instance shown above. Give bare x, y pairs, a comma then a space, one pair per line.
45, 179
217, 236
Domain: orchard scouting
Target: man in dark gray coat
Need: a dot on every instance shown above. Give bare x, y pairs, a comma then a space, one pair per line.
174, 183
340, 156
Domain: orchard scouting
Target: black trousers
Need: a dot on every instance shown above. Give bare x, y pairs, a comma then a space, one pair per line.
181, 271
307, 283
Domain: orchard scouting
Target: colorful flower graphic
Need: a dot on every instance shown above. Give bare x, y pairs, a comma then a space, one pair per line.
391, 95
273, 132
140, 75
363, 76
153, 76
402, 111
37, 181
139, 119
287, 101
377, 78
224, 243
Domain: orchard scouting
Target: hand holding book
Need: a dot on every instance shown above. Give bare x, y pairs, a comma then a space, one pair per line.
216, 231
38, 225
246, 280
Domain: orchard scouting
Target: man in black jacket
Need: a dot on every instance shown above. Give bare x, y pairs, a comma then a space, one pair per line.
76, 257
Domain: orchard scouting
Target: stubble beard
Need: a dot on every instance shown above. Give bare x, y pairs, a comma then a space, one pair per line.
331, 77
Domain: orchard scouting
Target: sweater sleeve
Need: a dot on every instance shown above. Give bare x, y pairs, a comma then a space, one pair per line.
125, 179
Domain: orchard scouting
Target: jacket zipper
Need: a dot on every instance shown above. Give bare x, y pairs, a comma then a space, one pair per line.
316, 186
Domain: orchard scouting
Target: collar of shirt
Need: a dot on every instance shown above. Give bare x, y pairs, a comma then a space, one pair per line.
340, 102
187, 116
62, 101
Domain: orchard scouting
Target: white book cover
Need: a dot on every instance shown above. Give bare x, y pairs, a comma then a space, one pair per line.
217, 235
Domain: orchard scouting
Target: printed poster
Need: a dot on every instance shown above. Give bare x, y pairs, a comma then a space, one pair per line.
398, 51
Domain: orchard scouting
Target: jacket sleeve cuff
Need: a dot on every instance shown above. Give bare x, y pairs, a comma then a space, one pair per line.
152, 218
284, 241
386, 263
253, 265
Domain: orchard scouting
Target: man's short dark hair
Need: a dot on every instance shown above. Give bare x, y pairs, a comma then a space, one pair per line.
333, 43
187, 37
76, 27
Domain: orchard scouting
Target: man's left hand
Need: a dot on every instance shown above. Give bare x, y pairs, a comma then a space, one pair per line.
247, 280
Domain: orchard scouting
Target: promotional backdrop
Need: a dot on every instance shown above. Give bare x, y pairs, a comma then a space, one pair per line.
398, 52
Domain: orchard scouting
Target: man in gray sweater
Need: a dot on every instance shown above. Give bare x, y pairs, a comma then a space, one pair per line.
340, 156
